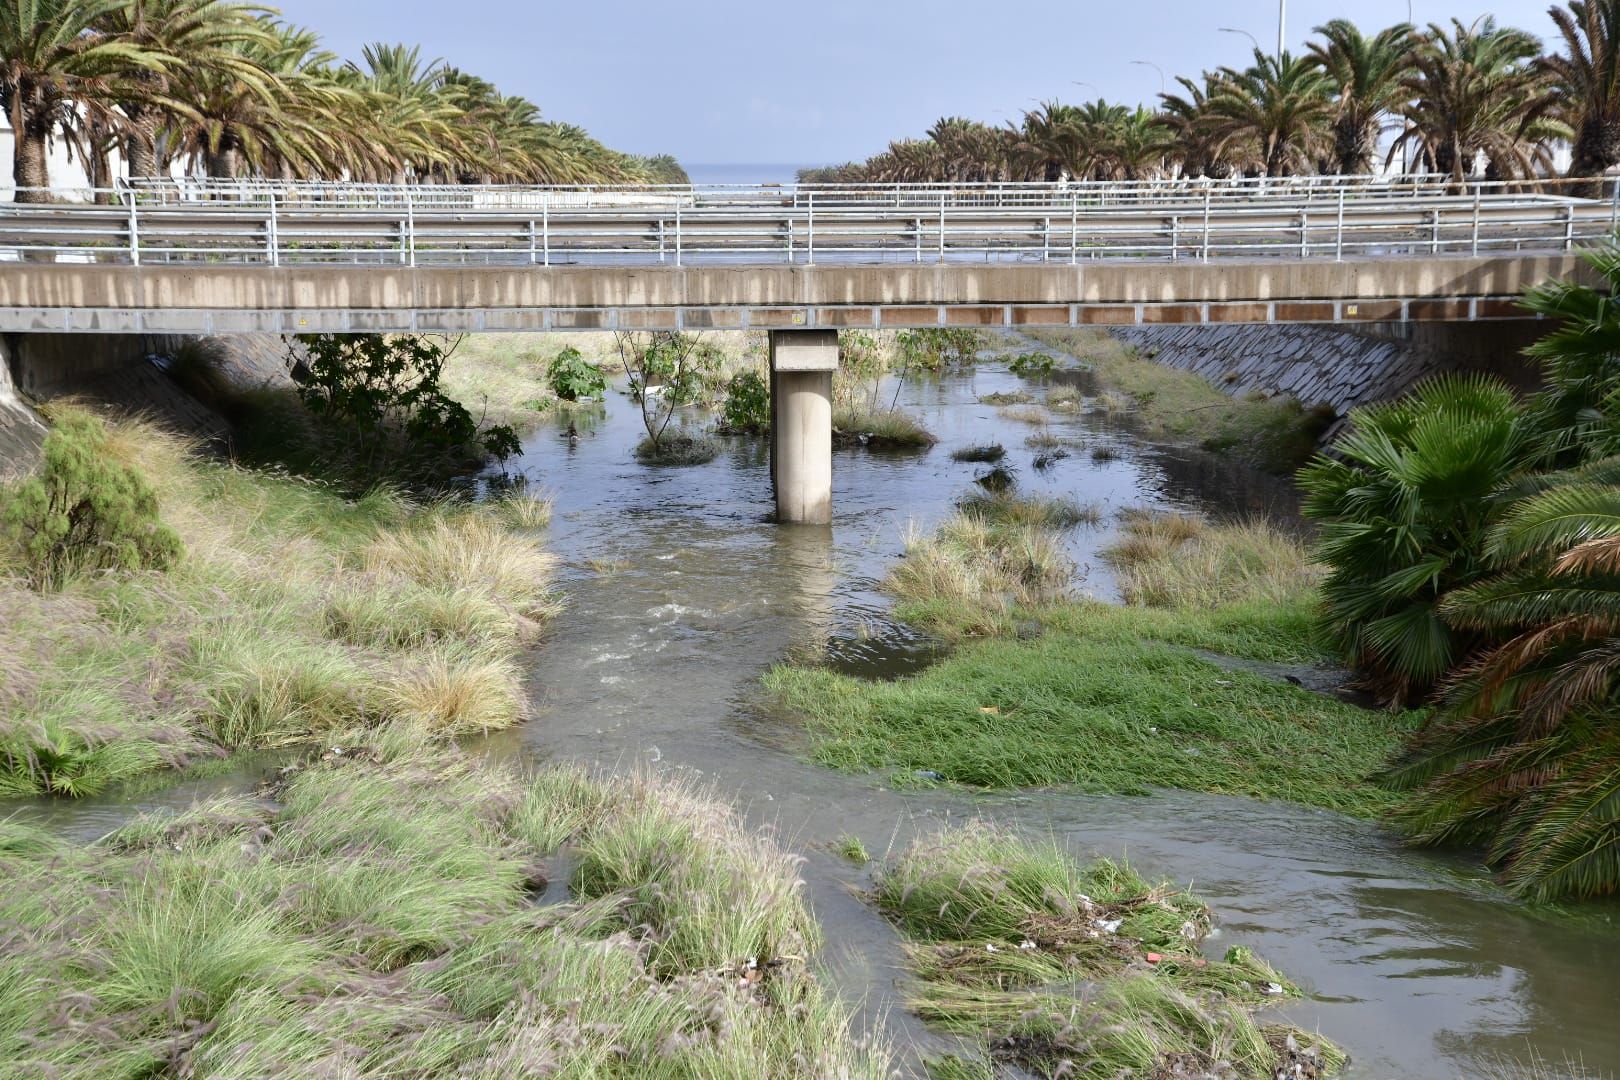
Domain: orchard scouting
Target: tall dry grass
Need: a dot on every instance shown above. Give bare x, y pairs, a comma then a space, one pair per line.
295, 614
1181, 560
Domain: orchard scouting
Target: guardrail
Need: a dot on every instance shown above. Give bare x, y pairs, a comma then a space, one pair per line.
302, 223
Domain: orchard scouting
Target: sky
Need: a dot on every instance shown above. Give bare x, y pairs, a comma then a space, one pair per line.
825, 81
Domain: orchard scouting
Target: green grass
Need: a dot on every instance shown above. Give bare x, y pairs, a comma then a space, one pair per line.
981, 454
1066, 969
981, 568
1099, 703
295, 614
377, 909
1275, 434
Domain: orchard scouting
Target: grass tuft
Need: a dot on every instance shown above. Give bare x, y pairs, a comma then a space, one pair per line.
1071, 970
677, 450
880, 429
981, 454
1033, 511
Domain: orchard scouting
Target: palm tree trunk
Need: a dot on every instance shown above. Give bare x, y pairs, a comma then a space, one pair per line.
30, 133
221, 164
140, 148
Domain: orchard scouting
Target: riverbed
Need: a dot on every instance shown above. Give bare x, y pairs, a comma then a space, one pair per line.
680, 592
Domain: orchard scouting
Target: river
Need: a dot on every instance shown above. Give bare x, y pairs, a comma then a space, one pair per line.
679, 593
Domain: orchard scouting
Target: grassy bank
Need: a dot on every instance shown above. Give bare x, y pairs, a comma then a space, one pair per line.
375, 913
294, 613
1045, 690
1274, 434
1081, 971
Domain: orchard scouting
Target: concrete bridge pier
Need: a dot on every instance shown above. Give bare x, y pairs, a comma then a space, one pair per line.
802, 366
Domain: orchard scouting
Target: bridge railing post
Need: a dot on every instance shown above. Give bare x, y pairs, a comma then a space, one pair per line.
1206, 222
134, 233
1338, 231
1569, 226
677, 234
1304, 234
545, 233
1074, 226
1175, 237
409, 239
810, 228
1473, 243
942, 226
272, 239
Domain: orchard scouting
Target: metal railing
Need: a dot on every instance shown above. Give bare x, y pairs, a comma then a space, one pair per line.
274, 223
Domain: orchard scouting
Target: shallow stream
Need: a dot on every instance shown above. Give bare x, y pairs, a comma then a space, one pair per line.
679, 593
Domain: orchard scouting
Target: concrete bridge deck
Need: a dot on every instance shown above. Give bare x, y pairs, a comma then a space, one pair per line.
273, 257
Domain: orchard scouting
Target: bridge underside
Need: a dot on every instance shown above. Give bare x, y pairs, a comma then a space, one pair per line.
203, 299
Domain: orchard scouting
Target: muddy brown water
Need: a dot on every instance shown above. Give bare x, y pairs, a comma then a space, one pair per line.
680, 593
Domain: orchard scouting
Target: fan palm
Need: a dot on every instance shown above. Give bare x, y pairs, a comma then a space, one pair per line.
1476, 92
1588, 81
53, 61
1367, 74
1278, 107
1526, 755
1404, 505
1578, 411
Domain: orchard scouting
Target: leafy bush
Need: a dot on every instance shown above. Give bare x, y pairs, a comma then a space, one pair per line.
747, 410
572, 377
668, 371
1404, 506
934, 348
1032, 365
381, 394
85, 510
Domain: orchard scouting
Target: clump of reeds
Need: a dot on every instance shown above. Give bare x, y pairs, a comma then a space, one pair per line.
677, 450
1032, 510
880, 429
1182, 560
980, 454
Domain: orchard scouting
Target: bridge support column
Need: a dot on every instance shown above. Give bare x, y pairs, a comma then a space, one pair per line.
802, 366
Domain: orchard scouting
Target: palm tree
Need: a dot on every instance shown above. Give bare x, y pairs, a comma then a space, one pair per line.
1192, 129
1278, 107
286, 120
1367, 76
1048, 141
1588, 81
52, 63
1525, 756
1135, 147
197, 33
1476, 91
1404, 504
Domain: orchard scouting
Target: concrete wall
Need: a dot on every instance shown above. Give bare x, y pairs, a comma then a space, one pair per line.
1335, 366
21, 429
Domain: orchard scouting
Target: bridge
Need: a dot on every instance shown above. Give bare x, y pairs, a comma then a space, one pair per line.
206, 257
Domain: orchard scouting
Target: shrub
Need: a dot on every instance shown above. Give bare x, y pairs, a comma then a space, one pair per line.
85, 510
572, 377
747, 409
932, 349
1032, 365
382, 395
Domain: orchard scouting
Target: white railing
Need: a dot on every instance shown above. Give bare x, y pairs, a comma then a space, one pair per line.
291, 223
